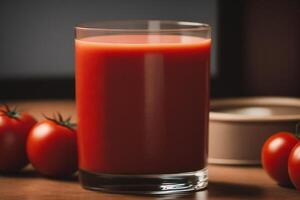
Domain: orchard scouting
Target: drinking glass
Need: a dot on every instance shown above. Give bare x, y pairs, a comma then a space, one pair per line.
142, 95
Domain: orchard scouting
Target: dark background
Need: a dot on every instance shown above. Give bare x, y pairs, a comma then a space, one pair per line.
36, 37
256, 42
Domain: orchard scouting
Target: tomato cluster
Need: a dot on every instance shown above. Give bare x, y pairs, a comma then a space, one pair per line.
49, 145
281, 158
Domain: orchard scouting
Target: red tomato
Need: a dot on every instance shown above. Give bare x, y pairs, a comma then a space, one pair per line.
294, 166
14, 129
52, 148
275, 154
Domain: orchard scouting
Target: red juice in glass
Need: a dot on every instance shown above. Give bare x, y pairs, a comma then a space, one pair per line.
142, 103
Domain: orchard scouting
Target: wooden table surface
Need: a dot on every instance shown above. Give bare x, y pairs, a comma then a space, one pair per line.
225, 182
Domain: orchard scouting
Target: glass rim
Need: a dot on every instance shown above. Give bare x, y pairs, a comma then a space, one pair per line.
178, 26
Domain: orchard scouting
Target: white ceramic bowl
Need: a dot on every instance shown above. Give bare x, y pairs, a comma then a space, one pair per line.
239, 127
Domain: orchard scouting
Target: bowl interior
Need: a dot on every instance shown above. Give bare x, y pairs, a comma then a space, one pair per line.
254, 110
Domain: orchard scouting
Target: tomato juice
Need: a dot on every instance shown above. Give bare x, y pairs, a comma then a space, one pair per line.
142, 103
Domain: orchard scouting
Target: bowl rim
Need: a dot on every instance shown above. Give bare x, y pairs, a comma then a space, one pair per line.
257, 101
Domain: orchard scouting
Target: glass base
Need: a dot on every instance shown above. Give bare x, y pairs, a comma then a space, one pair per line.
145, 184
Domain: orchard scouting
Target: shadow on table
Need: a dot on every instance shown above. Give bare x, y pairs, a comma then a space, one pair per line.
215, 189
219, 190
223, 189
27, 173
200, 195
31, 173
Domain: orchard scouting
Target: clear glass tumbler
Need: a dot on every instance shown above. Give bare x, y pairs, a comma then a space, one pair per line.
142, 95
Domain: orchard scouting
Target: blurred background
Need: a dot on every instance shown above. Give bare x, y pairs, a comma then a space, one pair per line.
255, 51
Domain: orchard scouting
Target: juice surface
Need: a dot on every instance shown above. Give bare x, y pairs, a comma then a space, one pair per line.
142, 103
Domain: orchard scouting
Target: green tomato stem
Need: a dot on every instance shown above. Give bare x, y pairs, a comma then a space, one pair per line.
12, 113
58, 119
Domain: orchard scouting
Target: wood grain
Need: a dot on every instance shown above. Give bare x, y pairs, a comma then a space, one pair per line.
224, 182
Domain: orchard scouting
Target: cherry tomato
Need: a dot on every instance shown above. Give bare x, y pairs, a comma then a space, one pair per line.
275, 154
294, 166
52, 147
14, 130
